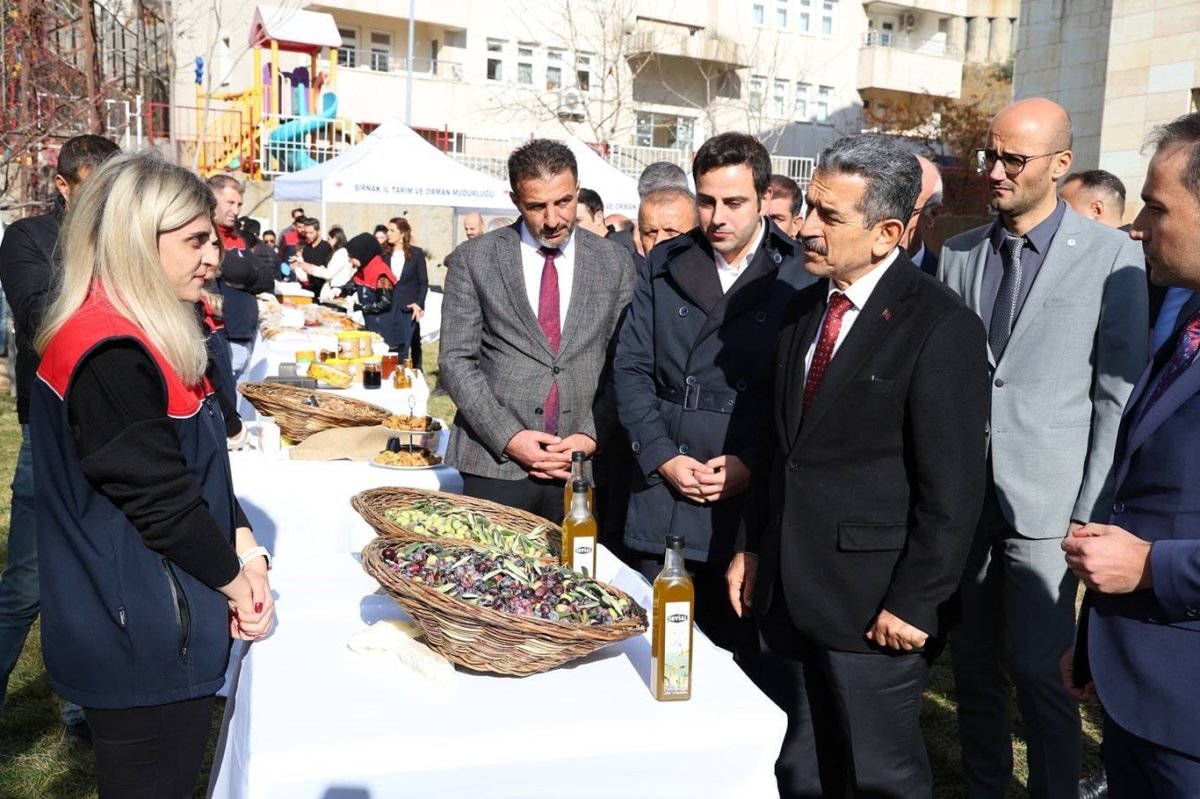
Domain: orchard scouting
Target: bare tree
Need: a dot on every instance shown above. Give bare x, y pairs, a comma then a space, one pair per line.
60, 73
628, 68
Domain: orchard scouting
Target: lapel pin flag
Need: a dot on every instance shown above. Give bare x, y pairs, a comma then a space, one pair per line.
887, 314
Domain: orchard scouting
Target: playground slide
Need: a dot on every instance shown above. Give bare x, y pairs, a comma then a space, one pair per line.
286, 142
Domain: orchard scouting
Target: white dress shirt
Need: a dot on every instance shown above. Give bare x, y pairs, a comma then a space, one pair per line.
728, 273
919, 257
532, 263
858, 293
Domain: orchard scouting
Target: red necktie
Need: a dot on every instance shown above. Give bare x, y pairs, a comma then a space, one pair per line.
838, 305
548, 321
1185, 352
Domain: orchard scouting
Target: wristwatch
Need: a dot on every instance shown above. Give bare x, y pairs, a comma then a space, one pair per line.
251, 554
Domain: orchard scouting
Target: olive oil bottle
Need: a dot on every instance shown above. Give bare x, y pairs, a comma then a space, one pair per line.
579, 532
577, 459
671, 631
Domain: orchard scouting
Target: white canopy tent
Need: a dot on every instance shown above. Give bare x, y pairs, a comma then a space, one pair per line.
616, 189
395, 166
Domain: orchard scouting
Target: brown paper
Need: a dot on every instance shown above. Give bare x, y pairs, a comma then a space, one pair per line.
343, 443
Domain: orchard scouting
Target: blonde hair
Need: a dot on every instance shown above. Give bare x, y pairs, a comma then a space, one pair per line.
110, 238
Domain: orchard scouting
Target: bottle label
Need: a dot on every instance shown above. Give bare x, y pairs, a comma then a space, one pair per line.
583, 556
677, 648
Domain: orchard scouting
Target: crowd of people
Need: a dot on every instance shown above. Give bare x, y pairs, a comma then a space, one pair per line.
875, 452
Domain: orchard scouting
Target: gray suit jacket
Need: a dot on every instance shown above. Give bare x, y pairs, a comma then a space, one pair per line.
495, 361
1058, 391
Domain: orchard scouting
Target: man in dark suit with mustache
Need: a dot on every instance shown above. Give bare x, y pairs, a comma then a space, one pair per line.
856, 536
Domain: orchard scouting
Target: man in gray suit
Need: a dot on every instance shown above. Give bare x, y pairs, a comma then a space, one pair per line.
1064, 301
530, 312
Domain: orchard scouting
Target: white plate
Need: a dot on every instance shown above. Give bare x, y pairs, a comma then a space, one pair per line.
404, 468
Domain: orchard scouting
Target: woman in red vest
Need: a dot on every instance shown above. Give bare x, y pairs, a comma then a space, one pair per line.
148, 564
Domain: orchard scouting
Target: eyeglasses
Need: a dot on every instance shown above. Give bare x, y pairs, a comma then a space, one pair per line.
922, 208
1013, 163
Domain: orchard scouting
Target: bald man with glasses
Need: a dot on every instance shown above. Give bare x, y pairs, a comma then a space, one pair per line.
1064, 302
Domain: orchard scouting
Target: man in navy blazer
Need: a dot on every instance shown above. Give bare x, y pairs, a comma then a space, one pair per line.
1138, 645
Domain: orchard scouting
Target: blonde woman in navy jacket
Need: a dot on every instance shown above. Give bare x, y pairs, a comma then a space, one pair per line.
148, 565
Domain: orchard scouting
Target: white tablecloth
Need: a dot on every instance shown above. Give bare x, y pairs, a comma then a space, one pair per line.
268, 354
309, 719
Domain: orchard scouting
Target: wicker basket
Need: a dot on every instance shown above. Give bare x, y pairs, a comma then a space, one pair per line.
372, 505
298, 420
489, 640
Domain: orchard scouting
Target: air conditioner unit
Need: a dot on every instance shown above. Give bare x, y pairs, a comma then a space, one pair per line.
910, 21
570, 103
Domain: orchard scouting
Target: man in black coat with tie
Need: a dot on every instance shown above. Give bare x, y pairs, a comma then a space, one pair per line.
692, 371
856, 536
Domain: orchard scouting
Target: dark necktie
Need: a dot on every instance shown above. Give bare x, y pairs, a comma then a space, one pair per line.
1004, 312
548, 321
1186, 347
830, 327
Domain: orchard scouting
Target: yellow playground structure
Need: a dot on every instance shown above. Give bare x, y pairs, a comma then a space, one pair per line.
286, 121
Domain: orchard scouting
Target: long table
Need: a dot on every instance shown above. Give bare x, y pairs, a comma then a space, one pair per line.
307, 718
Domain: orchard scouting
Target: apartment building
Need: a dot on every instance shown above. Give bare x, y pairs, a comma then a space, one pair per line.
645, 79
1120, 67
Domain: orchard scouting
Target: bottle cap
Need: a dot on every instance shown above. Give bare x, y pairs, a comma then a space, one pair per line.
581, 487
578, 456
674, 542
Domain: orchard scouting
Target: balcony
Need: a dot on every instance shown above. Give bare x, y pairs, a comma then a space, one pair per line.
371, 86
436, 12
901, 63
659, 39
694, 15
948, 8
384, 61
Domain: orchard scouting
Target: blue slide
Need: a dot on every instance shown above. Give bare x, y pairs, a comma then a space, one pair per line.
286, 142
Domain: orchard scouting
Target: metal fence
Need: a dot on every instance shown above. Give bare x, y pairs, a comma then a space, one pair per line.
291, 143
386, 61
911, 44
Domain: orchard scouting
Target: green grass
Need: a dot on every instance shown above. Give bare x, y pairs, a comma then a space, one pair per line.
35, 764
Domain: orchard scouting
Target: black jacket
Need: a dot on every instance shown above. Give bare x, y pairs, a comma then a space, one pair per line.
27, 264
412, 280
243, 275
872, 499
693, 377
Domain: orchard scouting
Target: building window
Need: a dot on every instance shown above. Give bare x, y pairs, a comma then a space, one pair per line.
348, 52
495, 62
583, 73
801, 110
664, 130
828, 16
779, 100
554, 59
525, 65
781, 13
757, 85
824, 93
381, 51
758, 14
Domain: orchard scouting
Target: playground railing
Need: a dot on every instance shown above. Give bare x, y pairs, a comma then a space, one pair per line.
293, 143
